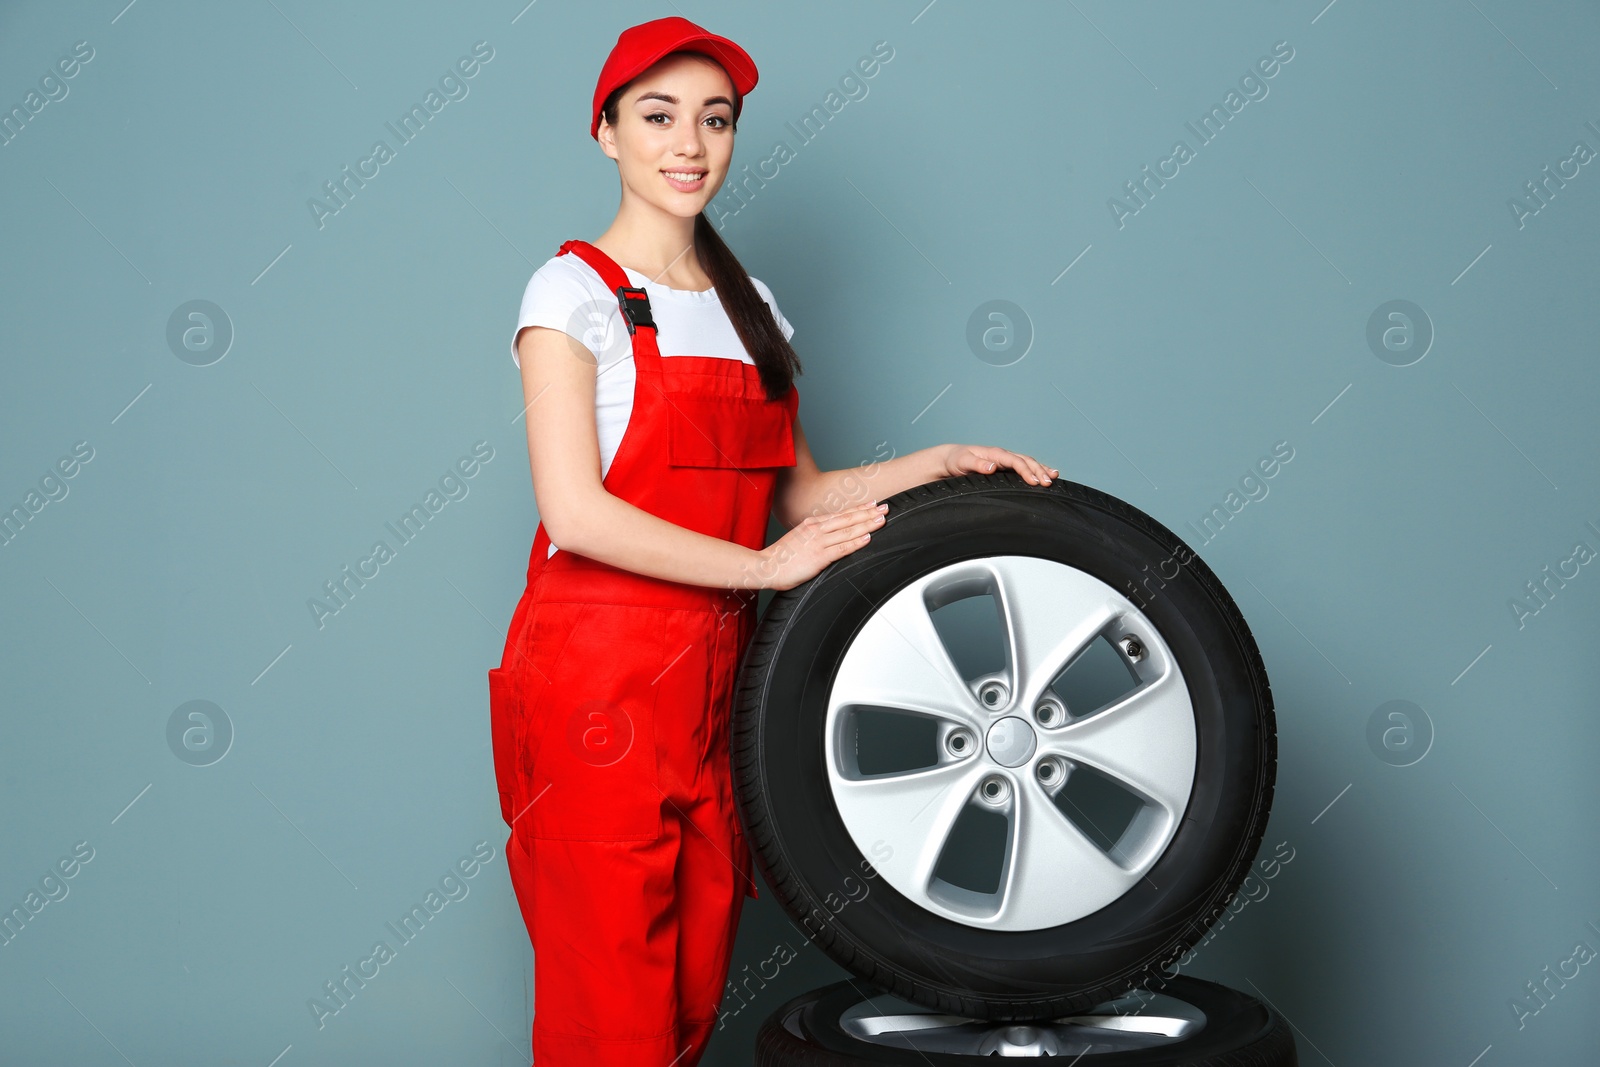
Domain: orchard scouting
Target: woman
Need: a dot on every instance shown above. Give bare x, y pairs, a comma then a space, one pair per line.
657, 456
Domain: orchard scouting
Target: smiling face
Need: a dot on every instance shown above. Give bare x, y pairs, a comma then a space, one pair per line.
673, 139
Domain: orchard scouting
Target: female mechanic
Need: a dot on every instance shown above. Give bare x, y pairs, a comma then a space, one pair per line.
663, 431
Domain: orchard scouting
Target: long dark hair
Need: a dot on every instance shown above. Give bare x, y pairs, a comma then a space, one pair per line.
754, 321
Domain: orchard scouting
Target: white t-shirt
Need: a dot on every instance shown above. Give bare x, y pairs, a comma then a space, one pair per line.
567, 294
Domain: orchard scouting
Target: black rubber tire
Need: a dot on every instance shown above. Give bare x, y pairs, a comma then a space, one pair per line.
808, 857
1240, 1031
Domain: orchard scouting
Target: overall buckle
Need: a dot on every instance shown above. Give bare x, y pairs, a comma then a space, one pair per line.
635, 305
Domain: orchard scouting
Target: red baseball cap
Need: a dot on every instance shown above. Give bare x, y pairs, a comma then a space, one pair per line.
639, 47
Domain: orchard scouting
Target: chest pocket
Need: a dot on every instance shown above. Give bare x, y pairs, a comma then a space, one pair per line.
720, 419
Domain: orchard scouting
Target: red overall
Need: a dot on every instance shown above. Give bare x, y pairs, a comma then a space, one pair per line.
610, 720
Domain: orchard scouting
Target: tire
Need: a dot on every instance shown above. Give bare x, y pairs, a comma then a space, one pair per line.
1191, 1023
968, 906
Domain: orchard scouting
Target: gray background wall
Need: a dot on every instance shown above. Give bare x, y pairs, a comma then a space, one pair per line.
1433, 476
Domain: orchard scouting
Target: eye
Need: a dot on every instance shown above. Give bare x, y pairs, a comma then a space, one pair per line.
650, 118
718, 119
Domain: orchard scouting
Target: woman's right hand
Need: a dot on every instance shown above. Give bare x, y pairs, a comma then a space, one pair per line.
818, 540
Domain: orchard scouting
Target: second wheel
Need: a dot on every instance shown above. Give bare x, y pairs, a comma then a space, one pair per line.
1190, 1023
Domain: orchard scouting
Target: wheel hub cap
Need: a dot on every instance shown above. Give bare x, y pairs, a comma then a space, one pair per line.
1011, 741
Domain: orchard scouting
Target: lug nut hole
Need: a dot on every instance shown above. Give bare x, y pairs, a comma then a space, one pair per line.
995, 789
993, 694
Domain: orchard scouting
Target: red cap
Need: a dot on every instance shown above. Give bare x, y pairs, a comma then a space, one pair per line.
639, 47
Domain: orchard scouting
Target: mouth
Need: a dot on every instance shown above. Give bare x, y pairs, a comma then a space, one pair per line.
686, 181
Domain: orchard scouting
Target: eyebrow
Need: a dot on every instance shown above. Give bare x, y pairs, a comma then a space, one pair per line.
669, 98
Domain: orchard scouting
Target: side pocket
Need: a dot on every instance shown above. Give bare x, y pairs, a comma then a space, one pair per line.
596, 776
505, 732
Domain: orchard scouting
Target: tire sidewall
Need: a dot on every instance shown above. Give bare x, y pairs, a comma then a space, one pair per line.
834, 885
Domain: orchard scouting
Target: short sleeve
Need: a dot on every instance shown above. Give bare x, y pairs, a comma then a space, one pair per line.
560, 298
766, 294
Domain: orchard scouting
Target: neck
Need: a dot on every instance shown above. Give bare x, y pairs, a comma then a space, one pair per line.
655, 243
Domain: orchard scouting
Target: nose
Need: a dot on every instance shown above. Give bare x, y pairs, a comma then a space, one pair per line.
691, 141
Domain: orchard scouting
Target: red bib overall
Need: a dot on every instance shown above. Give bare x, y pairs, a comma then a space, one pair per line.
610, 720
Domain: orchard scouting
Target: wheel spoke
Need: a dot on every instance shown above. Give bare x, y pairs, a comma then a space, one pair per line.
1049, 613
1134, 1024
898, 661
875, 1025
1145, 742
1054, 868
911, 813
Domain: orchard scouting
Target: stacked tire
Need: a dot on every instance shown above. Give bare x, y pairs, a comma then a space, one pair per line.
1007, 764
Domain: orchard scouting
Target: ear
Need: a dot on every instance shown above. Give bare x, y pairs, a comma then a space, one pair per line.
605, 133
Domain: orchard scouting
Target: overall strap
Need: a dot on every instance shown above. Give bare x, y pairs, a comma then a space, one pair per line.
634, 302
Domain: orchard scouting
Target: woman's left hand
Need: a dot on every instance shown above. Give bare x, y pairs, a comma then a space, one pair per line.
986, 459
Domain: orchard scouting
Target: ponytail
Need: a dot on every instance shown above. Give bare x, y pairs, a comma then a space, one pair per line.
754, 320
